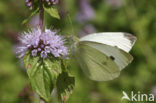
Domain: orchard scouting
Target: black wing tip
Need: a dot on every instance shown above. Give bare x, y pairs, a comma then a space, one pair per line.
131, 37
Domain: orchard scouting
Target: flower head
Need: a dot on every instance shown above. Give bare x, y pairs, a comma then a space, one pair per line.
41, 43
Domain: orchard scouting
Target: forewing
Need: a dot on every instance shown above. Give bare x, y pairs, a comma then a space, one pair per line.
124, 41
96, 64
120, 57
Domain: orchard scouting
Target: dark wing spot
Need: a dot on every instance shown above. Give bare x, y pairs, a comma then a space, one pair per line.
112, 58
116, 46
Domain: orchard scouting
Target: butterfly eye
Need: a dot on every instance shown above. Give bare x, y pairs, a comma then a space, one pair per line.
112, 58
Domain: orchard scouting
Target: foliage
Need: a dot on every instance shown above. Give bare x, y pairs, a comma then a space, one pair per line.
52, 12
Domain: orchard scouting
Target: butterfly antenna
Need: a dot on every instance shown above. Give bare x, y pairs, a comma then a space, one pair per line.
71, 24
74, 39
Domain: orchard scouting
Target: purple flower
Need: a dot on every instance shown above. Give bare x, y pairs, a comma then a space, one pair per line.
34, 52
43, 54
54, 1
26, 1
29, 4
86, 11
33, 3
41, 43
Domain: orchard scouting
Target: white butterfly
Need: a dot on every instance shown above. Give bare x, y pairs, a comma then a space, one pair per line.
103, 55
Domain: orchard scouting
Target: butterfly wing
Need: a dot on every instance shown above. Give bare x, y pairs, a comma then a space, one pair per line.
123, 41
120, 57
96, 65
103, 55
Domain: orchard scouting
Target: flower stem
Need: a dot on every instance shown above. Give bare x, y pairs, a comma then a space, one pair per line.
41, 16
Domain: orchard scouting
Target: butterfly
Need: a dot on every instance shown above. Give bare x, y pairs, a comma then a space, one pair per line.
102, 56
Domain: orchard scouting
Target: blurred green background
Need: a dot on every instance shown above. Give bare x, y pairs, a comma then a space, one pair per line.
134, 16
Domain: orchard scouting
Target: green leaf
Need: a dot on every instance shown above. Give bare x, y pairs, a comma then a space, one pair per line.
65, 85
32, 14
42, 74
52, 12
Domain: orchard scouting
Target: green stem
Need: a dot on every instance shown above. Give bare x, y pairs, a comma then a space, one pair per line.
41, 21
41, 16
63, 66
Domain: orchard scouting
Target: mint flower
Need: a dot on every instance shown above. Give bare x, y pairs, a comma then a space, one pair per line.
29, 3
41, 43
32, 3
50, 2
